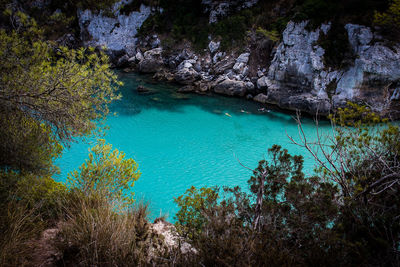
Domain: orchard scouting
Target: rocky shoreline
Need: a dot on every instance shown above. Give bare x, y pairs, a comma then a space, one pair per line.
294, 75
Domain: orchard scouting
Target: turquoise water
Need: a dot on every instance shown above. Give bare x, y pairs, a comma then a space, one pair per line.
183, 140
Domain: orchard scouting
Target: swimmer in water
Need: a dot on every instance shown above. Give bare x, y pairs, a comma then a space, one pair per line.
264, 110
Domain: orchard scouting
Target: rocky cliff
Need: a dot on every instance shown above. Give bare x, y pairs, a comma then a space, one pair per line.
116, 33
299, 79
295, 76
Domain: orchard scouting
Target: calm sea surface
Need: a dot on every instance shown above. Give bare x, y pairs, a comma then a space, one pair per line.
182, 140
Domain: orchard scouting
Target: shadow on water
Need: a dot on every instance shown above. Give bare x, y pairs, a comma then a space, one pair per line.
163, 96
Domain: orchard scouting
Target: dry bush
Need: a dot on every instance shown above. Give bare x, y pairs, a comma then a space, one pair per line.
94, 234
18, 226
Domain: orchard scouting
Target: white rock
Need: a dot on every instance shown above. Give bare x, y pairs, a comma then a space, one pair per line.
139, 56
156, 43
238, 66
117, 33
218, 11
243, 58
213, 46
245, 71
186, 64
218, 56
231, 87
262, 83
297, 73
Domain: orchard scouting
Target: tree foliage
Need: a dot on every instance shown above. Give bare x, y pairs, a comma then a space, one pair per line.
347, 214
284, 220
193, 203
48, 95
390, 18
106, 173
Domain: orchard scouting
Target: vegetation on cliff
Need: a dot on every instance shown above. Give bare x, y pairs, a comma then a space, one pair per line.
187, 20
346, 214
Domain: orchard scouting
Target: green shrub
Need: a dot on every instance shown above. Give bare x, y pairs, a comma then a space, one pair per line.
190, 218
347, 214
271, 35
343, 11
232, 30
283, 209
28, 205
338, 52
106, 173
389, 21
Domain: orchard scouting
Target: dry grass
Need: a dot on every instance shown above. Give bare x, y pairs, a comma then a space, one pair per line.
97, 235
18, 226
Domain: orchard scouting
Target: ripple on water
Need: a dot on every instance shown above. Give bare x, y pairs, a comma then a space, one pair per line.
183, 140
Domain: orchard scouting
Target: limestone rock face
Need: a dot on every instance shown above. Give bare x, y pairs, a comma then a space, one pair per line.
117, 33
375, 74
296, 68
298, 79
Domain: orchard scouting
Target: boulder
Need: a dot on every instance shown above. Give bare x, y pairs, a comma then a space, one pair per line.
186, 64
238, 67
262, 83
218, 11
197, 67
250, 87
202, 86
223, 65
307, 103
230, 87
123, 61
243, 58
186, 76
261, 98
155, 42
217, 57
132, 61
139, 56
213, 46
249, 97
152, 61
